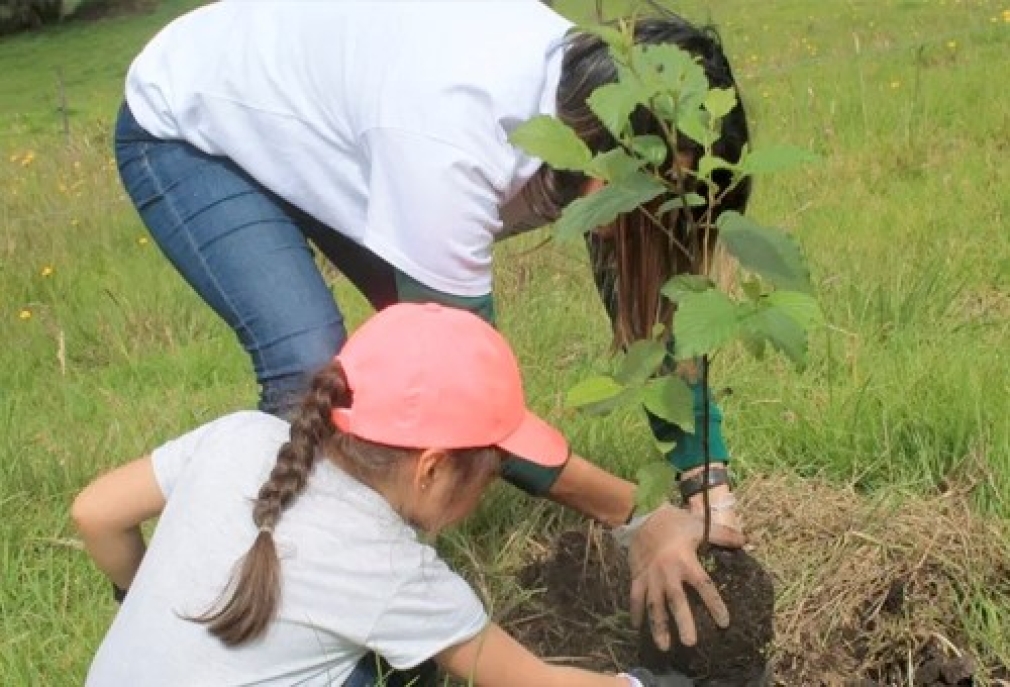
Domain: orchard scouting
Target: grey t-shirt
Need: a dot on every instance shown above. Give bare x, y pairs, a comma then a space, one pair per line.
355, 577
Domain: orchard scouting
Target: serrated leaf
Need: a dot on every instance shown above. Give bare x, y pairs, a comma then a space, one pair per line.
613, 104
671, 399
593, 390
781, 331
719, 102
704, 322
640, 362
553, 142
655, 480
613, 165
775, 159
771, 253
693, 123
651, 148
802, 308
693, 200
675, 288
604, 206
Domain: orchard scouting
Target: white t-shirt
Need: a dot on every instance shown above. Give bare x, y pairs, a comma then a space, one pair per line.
355, 578
386, 120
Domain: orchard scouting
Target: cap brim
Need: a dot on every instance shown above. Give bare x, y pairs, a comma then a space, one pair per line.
537, 442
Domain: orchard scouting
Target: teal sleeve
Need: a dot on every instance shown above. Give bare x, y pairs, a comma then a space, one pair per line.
689, 451
535, 480
409, 290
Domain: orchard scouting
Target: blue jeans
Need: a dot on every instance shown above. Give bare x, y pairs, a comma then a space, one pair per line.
247, 254
373, 671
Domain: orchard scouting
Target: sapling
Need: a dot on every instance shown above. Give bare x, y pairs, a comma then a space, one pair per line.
774, 306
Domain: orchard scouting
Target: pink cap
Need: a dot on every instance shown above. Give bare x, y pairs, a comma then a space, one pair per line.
428, 376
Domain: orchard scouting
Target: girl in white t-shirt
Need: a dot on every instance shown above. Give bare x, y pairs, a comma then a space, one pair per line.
290, 555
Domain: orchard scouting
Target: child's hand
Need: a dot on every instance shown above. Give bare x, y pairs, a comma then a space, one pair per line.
664, 558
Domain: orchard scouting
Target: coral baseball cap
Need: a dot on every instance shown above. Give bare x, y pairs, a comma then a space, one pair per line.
428, 376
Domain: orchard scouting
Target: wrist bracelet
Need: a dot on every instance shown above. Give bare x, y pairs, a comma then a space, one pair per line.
703, 481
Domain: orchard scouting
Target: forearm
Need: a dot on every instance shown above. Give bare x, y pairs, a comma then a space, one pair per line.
118, 554
594, 492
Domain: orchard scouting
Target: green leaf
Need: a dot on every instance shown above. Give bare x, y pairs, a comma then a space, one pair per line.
613, 104
655, 480
771, 253
671, 399
802, 308
663, 447
753, 289
640, 362
693, 200
720, 102
695, 125
613, 165
781, 331
651, 148
776, 159
709, 163
553, 142
676, 287
704, 322
593, 390
603, 207
615, 38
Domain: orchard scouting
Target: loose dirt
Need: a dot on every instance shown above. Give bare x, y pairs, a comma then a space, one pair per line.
868, 594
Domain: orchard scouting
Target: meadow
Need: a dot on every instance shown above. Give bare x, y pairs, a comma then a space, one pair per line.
105, 352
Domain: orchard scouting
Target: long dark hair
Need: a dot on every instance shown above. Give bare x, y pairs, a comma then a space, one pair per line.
634, 258
250, 600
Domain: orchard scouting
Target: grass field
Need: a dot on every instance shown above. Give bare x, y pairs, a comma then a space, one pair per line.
104, 352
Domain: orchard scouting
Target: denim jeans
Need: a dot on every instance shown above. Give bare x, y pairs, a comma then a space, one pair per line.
247, 253
373, 671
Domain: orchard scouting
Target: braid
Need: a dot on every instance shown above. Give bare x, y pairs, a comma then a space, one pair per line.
251, 599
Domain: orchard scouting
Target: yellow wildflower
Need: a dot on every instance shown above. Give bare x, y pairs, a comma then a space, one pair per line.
895, 84
25, 314
47, 271
28, 158
952, 44
143, 241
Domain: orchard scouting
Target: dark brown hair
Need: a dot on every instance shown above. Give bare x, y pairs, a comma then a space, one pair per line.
250, 600
633, 259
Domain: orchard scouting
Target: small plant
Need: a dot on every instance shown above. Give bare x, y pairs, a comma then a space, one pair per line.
775, 306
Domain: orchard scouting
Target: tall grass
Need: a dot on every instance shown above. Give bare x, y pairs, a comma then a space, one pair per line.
104, 351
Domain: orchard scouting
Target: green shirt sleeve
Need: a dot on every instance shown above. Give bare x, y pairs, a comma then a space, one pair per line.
409, 290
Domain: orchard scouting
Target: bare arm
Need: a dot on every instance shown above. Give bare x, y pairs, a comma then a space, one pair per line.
494, 659
594, 492
108, 514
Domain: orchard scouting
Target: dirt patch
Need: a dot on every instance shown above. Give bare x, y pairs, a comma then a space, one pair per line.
868, 592
734, 656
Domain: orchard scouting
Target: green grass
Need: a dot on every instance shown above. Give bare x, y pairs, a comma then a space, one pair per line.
903, 220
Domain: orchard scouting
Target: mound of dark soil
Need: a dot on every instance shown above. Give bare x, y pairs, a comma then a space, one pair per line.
738, 655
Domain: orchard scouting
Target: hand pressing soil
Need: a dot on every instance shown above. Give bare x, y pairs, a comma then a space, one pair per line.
738, 655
